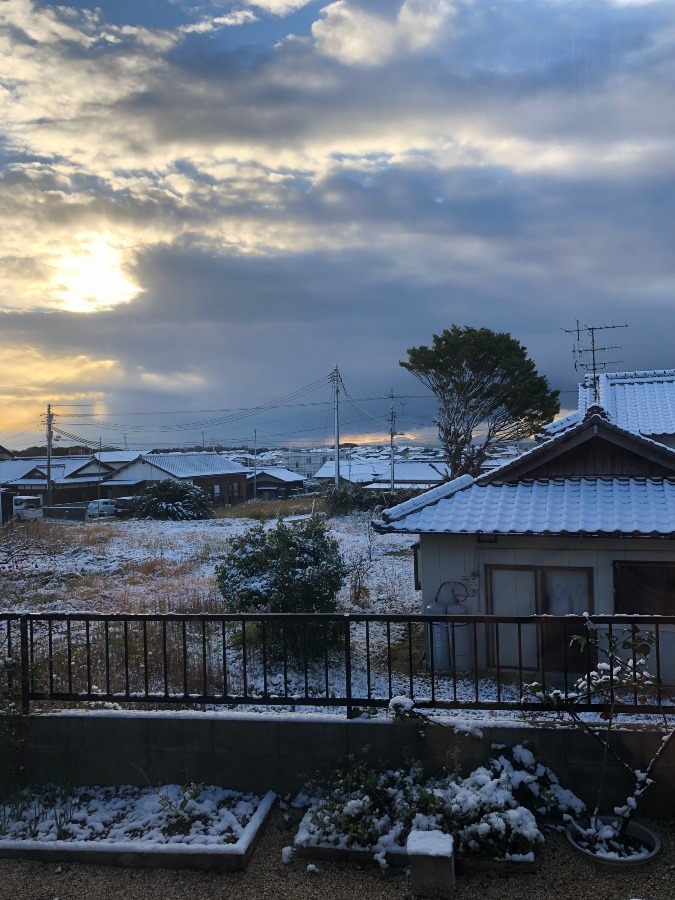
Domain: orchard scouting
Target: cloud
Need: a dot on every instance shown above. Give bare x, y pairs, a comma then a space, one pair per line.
238, 212
370, 34
215, 23
278, 7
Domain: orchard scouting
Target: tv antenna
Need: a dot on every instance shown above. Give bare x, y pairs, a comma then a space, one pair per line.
579, 352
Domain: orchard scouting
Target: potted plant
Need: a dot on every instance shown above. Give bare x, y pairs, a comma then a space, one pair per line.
613, 837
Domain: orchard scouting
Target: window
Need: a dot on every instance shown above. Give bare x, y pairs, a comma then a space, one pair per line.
644, 588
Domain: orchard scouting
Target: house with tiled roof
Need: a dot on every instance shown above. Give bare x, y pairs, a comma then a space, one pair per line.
375, 474
583, 523
74, 479
223, 479
273, 482
641, 402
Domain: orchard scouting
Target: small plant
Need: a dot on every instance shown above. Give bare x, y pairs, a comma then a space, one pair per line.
176, 801
175, 500
349, 498
623, 666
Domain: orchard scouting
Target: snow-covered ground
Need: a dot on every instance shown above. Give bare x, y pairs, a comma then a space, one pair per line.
137, 566
147, 566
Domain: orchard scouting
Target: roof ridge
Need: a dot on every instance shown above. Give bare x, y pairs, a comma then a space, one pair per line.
428, 498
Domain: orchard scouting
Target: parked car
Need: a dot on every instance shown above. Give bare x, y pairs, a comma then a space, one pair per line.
125, 507
28, 507
101, 509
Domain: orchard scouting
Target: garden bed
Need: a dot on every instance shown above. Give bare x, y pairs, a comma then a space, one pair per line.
198, 827
398, 859
494, 814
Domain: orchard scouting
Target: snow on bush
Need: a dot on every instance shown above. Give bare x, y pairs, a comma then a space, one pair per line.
492, 813
294, 568
176, 500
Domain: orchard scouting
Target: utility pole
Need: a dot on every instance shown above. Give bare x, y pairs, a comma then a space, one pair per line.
98, 486
335, 379
50, 435
578, 351
392, 432
255, 464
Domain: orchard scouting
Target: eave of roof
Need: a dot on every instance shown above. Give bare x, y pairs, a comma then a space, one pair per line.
606, 506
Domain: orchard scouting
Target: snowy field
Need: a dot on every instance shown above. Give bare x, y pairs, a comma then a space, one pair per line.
138, 566
147, 566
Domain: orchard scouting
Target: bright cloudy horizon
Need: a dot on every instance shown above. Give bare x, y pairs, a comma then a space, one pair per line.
207, 205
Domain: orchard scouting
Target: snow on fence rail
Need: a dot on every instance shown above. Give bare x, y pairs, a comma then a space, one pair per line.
352, 661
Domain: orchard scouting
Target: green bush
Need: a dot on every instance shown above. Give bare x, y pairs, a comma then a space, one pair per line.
492, 813
175, 500
349, 498
292, 568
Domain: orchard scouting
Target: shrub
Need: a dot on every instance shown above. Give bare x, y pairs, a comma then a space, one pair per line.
349, 498
491, 813
175, 500
292, 568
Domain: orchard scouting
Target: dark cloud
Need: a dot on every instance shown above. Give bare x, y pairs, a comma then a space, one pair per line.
284, 207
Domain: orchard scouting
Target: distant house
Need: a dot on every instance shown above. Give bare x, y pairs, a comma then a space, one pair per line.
222, 479
583, 523
305, 462
74, 479
640, 402
273, 482
375, 474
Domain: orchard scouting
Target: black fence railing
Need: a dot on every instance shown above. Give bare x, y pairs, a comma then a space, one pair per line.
354, 661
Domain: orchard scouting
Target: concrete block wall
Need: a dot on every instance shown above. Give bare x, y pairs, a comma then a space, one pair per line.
260, 753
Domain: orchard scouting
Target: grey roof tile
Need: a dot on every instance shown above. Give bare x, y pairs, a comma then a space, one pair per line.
627, 506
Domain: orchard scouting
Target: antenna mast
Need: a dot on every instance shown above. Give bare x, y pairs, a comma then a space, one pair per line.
594, 365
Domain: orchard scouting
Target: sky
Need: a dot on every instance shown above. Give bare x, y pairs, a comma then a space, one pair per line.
206, 207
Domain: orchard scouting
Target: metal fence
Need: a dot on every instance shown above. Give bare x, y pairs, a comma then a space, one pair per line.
353, 661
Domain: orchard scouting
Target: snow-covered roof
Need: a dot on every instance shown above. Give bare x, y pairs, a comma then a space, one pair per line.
572, 506
639, 402
191, 465
17, 471
279, 472
11, 469
118, 456
379, 470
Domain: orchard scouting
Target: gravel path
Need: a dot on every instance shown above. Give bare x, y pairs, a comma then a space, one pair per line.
564, 875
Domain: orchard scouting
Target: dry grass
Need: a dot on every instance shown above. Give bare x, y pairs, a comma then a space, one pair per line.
404, 647
265, 510
138, 571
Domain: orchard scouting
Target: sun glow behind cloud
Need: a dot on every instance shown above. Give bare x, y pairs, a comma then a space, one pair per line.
28, 377
92, 279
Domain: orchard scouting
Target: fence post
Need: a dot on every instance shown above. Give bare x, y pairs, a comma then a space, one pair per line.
25, 675
348, 666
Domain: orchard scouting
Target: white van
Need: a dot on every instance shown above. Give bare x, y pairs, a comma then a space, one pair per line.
28, 507
101, 509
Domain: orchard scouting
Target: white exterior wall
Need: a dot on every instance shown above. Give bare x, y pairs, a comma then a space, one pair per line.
448, 558
142, 471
